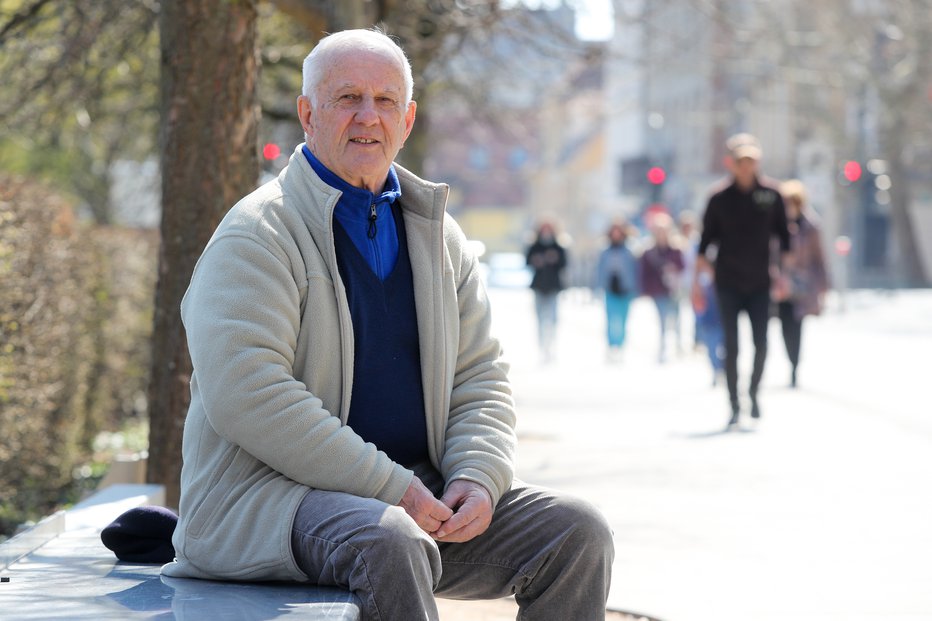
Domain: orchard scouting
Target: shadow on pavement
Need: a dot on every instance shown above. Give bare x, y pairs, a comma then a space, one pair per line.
702, 435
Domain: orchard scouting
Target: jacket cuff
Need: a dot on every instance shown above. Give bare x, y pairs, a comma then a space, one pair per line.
396, 486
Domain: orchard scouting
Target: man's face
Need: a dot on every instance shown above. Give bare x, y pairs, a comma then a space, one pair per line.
744, 170
360, 120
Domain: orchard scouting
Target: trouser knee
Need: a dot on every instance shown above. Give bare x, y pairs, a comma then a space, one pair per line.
589, 534
398, 549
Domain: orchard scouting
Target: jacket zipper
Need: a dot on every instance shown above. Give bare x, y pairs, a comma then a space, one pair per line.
372, 217
373, 242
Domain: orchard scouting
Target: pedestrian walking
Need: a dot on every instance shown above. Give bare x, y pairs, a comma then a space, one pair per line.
709, 324
740, 221
617, 277
547, 258
807, 276
661, 267
689, 236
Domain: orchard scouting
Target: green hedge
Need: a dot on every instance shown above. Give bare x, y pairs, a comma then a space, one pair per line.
75, 320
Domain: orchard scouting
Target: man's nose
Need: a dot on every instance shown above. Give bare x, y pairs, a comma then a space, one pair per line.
366, 114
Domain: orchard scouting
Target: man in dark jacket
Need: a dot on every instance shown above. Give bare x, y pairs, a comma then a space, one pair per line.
740, 221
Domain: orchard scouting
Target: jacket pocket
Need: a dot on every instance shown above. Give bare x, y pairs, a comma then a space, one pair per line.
218, 494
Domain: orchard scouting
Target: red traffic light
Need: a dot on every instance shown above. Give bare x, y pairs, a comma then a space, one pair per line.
852, 171
271, 151
842, 245
656, 175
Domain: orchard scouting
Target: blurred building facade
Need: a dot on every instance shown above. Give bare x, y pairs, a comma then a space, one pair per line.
544, 125
491, 140
682, 82
568, 183
682, 77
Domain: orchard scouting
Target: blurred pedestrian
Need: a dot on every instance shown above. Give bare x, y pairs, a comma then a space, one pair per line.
547, 258
740, 221
661, 267
689, 235
807, 277
709, 323
617, 276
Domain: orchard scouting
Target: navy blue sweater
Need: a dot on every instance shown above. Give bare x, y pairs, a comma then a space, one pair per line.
387, 403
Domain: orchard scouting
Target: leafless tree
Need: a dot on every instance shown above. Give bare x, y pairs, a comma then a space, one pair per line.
210, 114
79, 90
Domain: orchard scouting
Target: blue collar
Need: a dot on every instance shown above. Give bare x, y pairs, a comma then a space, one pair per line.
353, 196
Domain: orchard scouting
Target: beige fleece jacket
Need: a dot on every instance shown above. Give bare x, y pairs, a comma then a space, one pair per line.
271, 339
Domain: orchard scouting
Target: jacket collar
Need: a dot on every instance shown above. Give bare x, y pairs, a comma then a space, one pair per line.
420, 197
356, 200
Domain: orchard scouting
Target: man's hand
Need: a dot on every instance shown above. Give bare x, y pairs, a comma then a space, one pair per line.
696, 295
472, 504
426, 511
697, 298
780, 288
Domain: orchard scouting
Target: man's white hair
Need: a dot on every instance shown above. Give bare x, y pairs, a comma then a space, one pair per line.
315, 63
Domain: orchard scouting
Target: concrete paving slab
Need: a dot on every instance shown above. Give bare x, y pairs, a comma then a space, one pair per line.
820, 511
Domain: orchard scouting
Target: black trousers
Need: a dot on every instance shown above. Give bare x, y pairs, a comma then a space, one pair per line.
792, 331
757, 306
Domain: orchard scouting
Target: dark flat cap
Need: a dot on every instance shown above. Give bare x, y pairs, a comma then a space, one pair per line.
142, 535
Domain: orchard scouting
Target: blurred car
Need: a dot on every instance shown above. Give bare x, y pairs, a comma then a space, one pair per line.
508, 270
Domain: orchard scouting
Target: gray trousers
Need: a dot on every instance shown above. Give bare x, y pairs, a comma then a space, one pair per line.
552, 551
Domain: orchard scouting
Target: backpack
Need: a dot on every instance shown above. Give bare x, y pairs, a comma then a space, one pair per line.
615, 284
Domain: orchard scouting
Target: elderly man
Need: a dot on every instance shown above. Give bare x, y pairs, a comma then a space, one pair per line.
351, 421
740, 221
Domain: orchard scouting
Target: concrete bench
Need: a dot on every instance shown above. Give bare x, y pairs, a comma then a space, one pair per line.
59, 569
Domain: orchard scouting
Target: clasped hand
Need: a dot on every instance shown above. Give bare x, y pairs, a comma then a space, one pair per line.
464, 511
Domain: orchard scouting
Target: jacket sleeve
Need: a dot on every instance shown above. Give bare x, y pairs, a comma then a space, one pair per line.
601, 271
710, 231
643, 269
779, 224
635, 273
480, 440
242, 314
820, 265
529, 256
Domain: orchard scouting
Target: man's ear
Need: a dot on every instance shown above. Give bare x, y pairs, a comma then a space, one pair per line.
410, 115
305, 112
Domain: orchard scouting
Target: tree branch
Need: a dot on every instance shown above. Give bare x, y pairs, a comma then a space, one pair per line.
23, 18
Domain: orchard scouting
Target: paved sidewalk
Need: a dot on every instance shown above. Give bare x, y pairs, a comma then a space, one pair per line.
821, 511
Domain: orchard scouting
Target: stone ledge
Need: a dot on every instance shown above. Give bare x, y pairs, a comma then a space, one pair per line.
31, 539
69, 574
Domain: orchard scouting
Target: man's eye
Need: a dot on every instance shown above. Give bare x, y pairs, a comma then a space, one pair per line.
349, 97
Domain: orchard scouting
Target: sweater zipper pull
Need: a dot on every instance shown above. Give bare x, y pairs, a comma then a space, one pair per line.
370, 233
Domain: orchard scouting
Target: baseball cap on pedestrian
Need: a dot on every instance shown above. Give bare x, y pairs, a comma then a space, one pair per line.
744, 145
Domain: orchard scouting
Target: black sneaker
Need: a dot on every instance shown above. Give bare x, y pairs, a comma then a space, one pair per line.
735, 410
755, 409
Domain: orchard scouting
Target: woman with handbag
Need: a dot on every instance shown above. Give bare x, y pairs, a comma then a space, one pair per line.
807, 280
